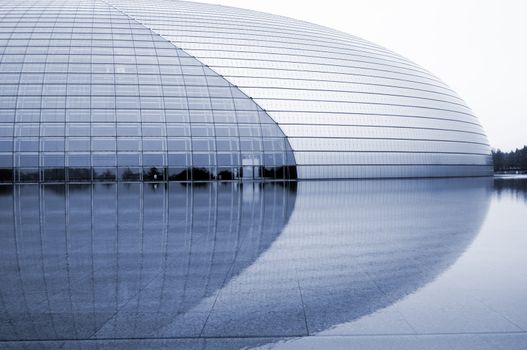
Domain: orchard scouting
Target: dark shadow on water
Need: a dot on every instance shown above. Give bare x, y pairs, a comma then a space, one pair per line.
250, 260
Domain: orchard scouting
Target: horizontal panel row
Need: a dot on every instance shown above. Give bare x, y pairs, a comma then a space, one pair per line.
137, 129
86, 144
394, 89
205, 51
352, 97
64, 52
292, 117
341, 131
156, 159
104, 78
383, 145
365, 158
84, 115
122, 102
231, 73
298, 134
278, 72
367, 108
79, 43
355, 68
152, 92
129, 64
302, 57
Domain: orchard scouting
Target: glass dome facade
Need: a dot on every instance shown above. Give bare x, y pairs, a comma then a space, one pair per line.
167, 90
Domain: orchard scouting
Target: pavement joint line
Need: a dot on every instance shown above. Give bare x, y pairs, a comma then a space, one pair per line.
283, 336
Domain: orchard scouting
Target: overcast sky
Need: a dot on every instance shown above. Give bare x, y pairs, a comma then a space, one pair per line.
477, 47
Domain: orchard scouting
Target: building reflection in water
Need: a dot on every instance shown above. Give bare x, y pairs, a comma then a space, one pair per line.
78, 258
110, 261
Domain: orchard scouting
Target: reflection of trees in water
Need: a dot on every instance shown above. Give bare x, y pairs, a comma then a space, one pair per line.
514, 186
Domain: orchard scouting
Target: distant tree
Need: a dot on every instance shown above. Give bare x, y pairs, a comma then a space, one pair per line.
510, 161
523, 158
498, 159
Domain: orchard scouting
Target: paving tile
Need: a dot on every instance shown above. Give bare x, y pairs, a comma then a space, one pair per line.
189, 324
152, 325
508, 341
430, 315
240, 343
256, 323
24, 345
135, 344
385, 321
126, 344
324, 311
343, 343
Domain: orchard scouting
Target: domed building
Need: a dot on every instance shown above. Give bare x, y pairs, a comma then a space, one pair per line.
119, 90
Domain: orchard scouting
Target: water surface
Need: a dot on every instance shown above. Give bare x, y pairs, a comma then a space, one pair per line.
397, 263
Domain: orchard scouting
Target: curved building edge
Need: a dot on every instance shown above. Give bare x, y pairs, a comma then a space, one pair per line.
361, 135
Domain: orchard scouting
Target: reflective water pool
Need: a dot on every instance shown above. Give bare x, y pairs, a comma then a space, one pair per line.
310, 265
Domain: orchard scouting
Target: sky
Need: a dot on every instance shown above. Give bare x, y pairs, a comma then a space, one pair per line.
477, 47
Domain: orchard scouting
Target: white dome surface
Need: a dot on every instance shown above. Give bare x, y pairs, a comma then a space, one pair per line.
350, 108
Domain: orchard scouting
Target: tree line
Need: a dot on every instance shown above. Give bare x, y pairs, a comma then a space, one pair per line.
510, 161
